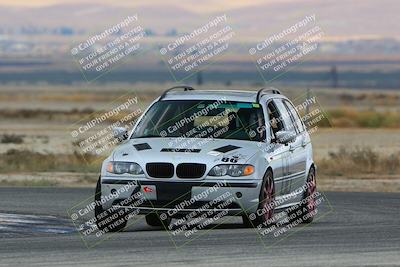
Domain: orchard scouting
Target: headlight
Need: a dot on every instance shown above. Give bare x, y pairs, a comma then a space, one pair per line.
120, 167
234, 170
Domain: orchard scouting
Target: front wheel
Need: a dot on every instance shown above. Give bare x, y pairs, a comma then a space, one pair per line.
265, 211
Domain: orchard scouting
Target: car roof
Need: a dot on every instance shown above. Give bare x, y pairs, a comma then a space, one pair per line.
240, 96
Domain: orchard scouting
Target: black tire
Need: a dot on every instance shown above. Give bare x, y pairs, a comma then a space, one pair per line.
265, 211
97, 196
153, 219
309, 206
247, 222
115, 225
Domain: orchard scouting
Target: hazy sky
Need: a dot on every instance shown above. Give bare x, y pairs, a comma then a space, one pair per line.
193, 5
339, 18
232, 3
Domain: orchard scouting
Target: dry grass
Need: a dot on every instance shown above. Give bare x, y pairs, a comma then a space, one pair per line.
12, 139
347, 117
27, 161
72, 115
359, 161
45, 115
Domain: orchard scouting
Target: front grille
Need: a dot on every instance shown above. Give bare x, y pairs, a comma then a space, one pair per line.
160, 169
190, 170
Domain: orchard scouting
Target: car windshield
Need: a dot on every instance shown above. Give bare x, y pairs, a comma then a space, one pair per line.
202, 119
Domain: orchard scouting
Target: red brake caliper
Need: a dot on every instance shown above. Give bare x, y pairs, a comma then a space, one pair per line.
310, 193
268, 193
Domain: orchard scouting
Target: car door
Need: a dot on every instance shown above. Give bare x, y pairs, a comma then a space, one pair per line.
278, 153
297, 155
298, 158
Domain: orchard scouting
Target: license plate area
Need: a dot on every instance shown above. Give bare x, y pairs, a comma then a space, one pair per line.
173, 193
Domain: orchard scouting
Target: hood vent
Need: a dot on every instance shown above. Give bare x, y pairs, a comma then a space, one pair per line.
142, 146
224, 149
182, 150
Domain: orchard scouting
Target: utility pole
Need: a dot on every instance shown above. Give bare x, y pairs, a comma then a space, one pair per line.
334, 76
199, 78
308, 97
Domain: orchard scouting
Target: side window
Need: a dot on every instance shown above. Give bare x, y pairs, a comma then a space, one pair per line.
285, 116
275, 121
295, 115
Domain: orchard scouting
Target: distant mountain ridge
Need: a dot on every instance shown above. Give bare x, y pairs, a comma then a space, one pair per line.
339, 19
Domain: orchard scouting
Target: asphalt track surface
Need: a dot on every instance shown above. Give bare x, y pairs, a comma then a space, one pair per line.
353, 229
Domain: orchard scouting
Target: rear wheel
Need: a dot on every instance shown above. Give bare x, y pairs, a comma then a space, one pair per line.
106, 220
265, 211
308, 208
153, 219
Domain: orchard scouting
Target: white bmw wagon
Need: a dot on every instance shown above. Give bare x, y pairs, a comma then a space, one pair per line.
239, 153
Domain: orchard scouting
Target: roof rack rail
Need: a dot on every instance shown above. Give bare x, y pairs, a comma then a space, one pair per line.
265, 91
184, 87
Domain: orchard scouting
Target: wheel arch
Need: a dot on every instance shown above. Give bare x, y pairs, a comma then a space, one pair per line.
269, 168
313, 166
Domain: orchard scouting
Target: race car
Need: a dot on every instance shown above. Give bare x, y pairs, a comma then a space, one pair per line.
193, 152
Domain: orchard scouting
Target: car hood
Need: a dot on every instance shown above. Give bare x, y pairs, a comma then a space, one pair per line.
188, 150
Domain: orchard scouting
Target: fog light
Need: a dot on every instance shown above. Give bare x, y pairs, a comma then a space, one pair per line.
238, 194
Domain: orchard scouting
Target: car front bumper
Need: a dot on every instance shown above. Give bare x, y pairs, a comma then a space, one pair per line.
177, 197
